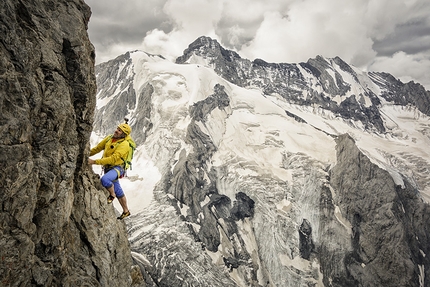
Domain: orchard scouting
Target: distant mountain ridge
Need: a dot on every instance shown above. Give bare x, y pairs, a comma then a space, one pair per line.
315, 82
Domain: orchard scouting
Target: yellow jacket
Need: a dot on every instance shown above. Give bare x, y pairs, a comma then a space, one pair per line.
115, 153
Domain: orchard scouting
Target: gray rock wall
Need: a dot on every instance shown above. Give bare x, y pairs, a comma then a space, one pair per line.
390, 226
55, 226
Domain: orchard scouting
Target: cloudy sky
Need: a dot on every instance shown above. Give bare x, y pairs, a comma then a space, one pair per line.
374, 35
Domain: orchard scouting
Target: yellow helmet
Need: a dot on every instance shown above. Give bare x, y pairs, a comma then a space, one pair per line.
126, 129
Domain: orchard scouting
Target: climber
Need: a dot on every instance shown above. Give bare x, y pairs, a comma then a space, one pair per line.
115, 149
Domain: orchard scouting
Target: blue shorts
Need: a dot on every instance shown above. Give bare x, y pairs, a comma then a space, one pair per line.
111, 177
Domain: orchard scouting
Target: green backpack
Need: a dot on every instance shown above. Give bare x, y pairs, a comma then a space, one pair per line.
127, 161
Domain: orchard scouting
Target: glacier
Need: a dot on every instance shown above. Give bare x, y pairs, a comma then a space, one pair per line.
235, 185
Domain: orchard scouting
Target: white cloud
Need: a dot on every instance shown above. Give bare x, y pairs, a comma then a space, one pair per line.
194, 15
189, 23
112, 51
313, 28
382, 16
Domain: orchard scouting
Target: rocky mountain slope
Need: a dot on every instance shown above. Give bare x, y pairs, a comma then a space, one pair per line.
56, 228
250, 173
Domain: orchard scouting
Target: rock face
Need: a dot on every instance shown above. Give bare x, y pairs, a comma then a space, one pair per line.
310, 174
404, 94
386, 234
306, 243
56, 229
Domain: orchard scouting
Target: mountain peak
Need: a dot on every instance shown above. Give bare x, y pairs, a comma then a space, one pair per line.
330, 83
327, 83
207, 47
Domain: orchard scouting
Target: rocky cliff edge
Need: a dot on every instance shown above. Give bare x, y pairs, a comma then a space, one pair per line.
55, 226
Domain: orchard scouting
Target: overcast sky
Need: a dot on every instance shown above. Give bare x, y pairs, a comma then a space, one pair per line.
374, 35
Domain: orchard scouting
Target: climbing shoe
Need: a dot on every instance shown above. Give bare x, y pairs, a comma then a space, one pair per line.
124, 215
110, 199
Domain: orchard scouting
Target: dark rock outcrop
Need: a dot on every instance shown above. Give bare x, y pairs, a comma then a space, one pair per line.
225, 61
219, 99
56, 229
243, 207
403, 94
306, 244
387, 243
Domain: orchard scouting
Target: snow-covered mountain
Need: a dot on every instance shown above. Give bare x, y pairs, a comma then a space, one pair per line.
250, 173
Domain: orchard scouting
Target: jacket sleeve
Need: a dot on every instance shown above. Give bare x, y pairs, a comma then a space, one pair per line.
117, 157
101, 146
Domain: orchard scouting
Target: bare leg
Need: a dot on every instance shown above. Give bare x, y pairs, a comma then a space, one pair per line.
123, 202
111, 191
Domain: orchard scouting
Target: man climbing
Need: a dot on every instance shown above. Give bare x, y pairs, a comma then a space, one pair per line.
116, 148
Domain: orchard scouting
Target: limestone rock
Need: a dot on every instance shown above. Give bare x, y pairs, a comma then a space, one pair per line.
56, 229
